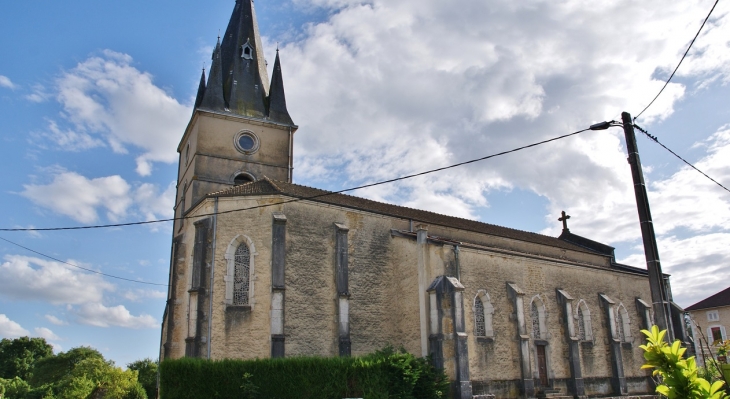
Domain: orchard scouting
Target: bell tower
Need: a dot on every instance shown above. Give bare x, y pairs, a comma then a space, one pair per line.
240, 130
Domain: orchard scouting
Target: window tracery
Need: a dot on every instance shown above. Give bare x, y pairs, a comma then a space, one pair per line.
241, 275
480, 329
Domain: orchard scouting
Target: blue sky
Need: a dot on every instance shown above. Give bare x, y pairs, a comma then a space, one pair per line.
94, 97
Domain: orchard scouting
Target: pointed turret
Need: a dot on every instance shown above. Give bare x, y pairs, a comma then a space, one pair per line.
243, 63
213, 99
201, 90
277, 99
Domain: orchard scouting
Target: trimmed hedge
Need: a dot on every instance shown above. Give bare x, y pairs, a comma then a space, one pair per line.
384, 374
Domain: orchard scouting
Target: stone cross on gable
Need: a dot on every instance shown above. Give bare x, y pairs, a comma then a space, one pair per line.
564, 219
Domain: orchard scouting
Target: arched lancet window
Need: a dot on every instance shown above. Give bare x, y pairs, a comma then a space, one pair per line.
241, 275
480, 329
483, 311
538, 316
623, 324
535, 316
583, 328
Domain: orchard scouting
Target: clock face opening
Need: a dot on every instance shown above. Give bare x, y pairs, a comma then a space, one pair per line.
246, 142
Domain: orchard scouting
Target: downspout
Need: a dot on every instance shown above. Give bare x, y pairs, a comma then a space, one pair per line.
458, 264
212, 274
291, 156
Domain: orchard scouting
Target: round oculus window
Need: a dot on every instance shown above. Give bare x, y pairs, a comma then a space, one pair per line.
247, 142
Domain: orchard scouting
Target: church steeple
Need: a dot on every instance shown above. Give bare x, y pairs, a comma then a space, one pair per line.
277, 99
213, 99
201, 90
245, 84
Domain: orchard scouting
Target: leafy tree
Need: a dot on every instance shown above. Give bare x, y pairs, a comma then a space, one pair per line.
678, 375
98, 378
19, 356
147, 369
53, 368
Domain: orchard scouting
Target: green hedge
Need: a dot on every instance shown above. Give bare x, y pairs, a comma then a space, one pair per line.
384, 374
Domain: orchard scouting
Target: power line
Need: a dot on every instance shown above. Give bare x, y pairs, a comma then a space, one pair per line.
680, 62
653, 138
79, 267
304, 198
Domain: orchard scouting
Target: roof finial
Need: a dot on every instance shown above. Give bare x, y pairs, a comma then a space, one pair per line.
564, 219
277, 47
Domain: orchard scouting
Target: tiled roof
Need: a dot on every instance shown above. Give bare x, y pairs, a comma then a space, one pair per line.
266, 186
722, 298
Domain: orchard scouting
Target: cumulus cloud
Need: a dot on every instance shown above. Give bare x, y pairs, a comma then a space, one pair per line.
46, 333
82, 198
98, 315
405, 86
10, 329
55, 320
39, 94
32, 279
78, 197
105, 95
67, 139
6, 82
138, 295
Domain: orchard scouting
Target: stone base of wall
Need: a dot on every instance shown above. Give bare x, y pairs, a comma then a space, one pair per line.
595, 388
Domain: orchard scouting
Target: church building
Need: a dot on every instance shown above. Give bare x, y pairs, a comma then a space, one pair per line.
263, 267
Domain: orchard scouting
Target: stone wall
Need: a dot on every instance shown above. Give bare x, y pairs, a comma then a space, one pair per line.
384, 301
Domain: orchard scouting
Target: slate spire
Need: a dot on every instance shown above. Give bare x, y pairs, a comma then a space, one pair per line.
213, 98
277, 99
243, 63
201, 90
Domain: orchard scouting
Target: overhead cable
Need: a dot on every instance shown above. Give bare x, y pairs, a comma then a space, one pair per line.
100, 226
79, 267
654, 139
680, 61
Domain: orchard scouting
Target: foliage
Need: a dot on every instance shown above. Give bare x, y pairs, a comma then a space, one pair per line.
54, 368
18, 356
384, 374
13, 388
147, 369
679, 377
80, 373
723, 348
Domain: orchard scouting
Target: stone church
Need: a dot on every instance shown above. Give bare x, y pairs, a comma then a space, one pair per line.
263, 267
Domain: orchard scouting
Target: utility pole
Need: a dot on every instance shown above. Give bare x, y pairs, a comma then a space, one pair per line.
659, 298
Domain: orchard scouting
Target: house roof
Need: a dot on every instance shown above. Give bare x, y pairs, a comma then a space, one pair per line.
267, 186
722, 298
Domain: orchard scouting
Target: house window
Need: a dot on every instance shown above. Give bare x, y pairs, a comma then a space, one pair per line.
713, 315
483, 312
716, 334
241, 275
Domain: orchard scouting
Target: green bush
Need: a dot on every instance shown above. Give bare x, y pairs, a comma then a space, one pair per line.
384, 374
678, 376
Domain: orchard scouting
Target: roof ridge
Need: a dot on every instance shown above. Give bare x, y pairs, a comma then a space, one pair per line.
418, 210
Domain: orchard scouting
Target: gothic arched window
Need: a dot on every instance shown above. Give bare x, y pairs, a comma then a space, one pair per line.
483, 311
623, 324
241, 275
583, 328
535, 316
480, 329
